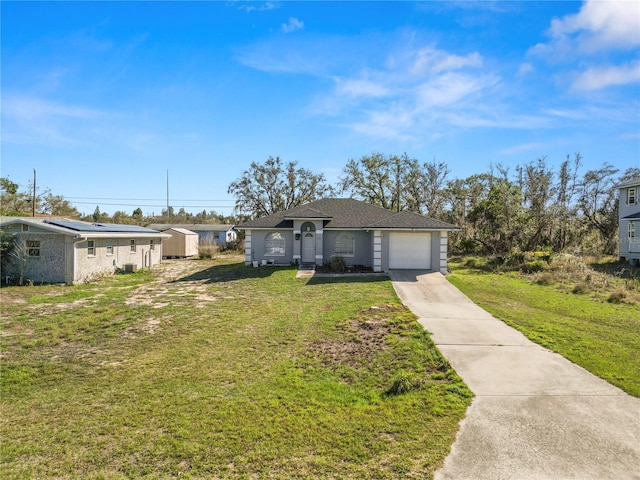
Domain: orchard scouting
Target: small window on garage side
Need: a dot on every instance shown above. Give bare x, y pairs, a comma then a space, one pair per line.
631, 196
274, 244
109, 247
33, 248
344, 245
91, 248
132, 244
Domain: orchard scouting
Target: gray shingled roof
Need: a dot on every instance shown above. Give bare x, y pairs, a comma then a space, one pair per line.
348, 213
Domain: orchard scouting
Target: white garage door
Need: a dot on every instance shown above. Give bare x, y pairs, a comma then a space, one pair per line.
410, 250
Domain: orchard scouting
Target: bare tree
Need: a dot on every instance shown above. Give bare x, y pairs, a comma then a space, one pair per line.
597, 202
434, 177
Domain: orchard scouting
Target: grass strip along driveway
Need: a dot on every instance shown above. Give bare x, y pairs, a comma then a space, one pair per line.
222, 371
602, 337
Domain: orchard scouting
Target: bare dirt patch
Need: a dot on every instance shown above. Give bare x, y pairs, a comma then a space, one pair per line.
164, 291
366, 337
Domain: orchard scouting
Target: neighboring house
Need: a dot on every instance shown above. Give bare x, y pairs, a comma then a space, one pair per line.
181, 243
361, 233
629, 221
208, 234
57, 250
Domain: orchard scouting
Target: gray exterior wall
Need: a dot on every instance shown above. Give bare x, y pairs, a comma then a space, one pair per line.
254, 247
365, 247
625, 249
49, 267
363, 252
101, 263
64, 260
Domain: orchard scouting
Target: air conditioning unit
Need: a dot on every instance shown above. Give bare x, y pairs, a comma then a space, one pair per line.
130, 267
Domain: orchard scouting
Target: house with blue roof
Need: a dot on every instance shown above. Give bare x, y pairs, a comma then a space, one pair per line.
60, 250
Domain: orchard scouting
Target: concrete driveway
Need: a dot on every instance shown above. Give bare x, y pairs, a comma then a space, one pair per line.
536, 415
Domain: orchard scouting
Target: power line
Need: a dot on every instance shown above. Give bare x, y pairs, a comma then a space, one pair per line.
150, 199
148, 205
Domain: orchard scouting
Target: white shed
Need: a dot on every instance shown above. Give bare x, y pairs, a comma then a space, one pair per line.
182, 243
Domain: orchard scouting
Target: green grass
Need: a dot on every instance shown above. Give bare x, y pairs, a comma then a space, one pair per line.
602, 337
227, 372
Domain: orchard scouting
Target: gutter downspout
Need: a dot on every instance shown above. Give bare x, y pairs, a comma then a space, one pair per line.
70, 273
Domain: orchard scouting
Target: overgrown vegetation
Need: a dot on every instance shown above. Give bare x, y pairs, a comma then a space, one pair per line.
208, 369
585, 308
531, 206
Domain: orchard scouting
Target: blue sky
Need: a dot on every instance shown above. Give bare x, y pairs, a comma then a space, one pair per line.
102, 99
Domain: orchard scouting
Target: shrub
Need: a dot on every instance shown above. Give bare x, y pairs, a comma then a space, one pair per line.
580, 288
338, 264
207, 251
515, 258
469, 245
534, 266
404, 383
545, 279
475, 262
617, 297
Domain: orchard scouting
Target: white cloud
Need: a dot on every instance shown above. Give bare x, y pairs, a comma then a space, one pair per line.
525, 68
433, 60
451, 88
525, 147
360, 88
292, 25
601, 25
252, 6
597, 78
23, 108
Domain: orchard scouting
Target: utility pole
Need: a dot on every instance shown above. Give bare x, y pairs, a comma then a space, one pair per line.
33, 203
168, 212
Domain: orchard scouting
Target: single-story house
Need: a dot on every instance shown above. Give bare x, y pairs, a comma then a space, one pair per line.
360, 233
208, 234
629, 221
59, 250
181, 243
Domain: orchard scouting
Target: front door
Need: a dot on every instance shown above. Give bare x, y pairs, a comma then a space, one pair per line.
308, 247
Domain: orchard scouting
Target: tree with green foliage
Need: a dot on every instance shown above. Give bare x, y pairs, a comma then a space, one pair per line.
270, 187
388, 181
12, 201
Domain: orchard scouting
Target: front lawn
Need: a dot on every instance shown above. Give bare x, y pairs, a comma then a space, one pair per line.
222, 371
601, 336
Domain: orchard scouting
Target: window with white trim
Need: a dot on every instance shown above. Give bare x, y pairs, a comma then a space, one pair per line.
631, 196
132, 244
33, 248
152, 246
274, 244
109, 247
91, 248
344, 245
632, 230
